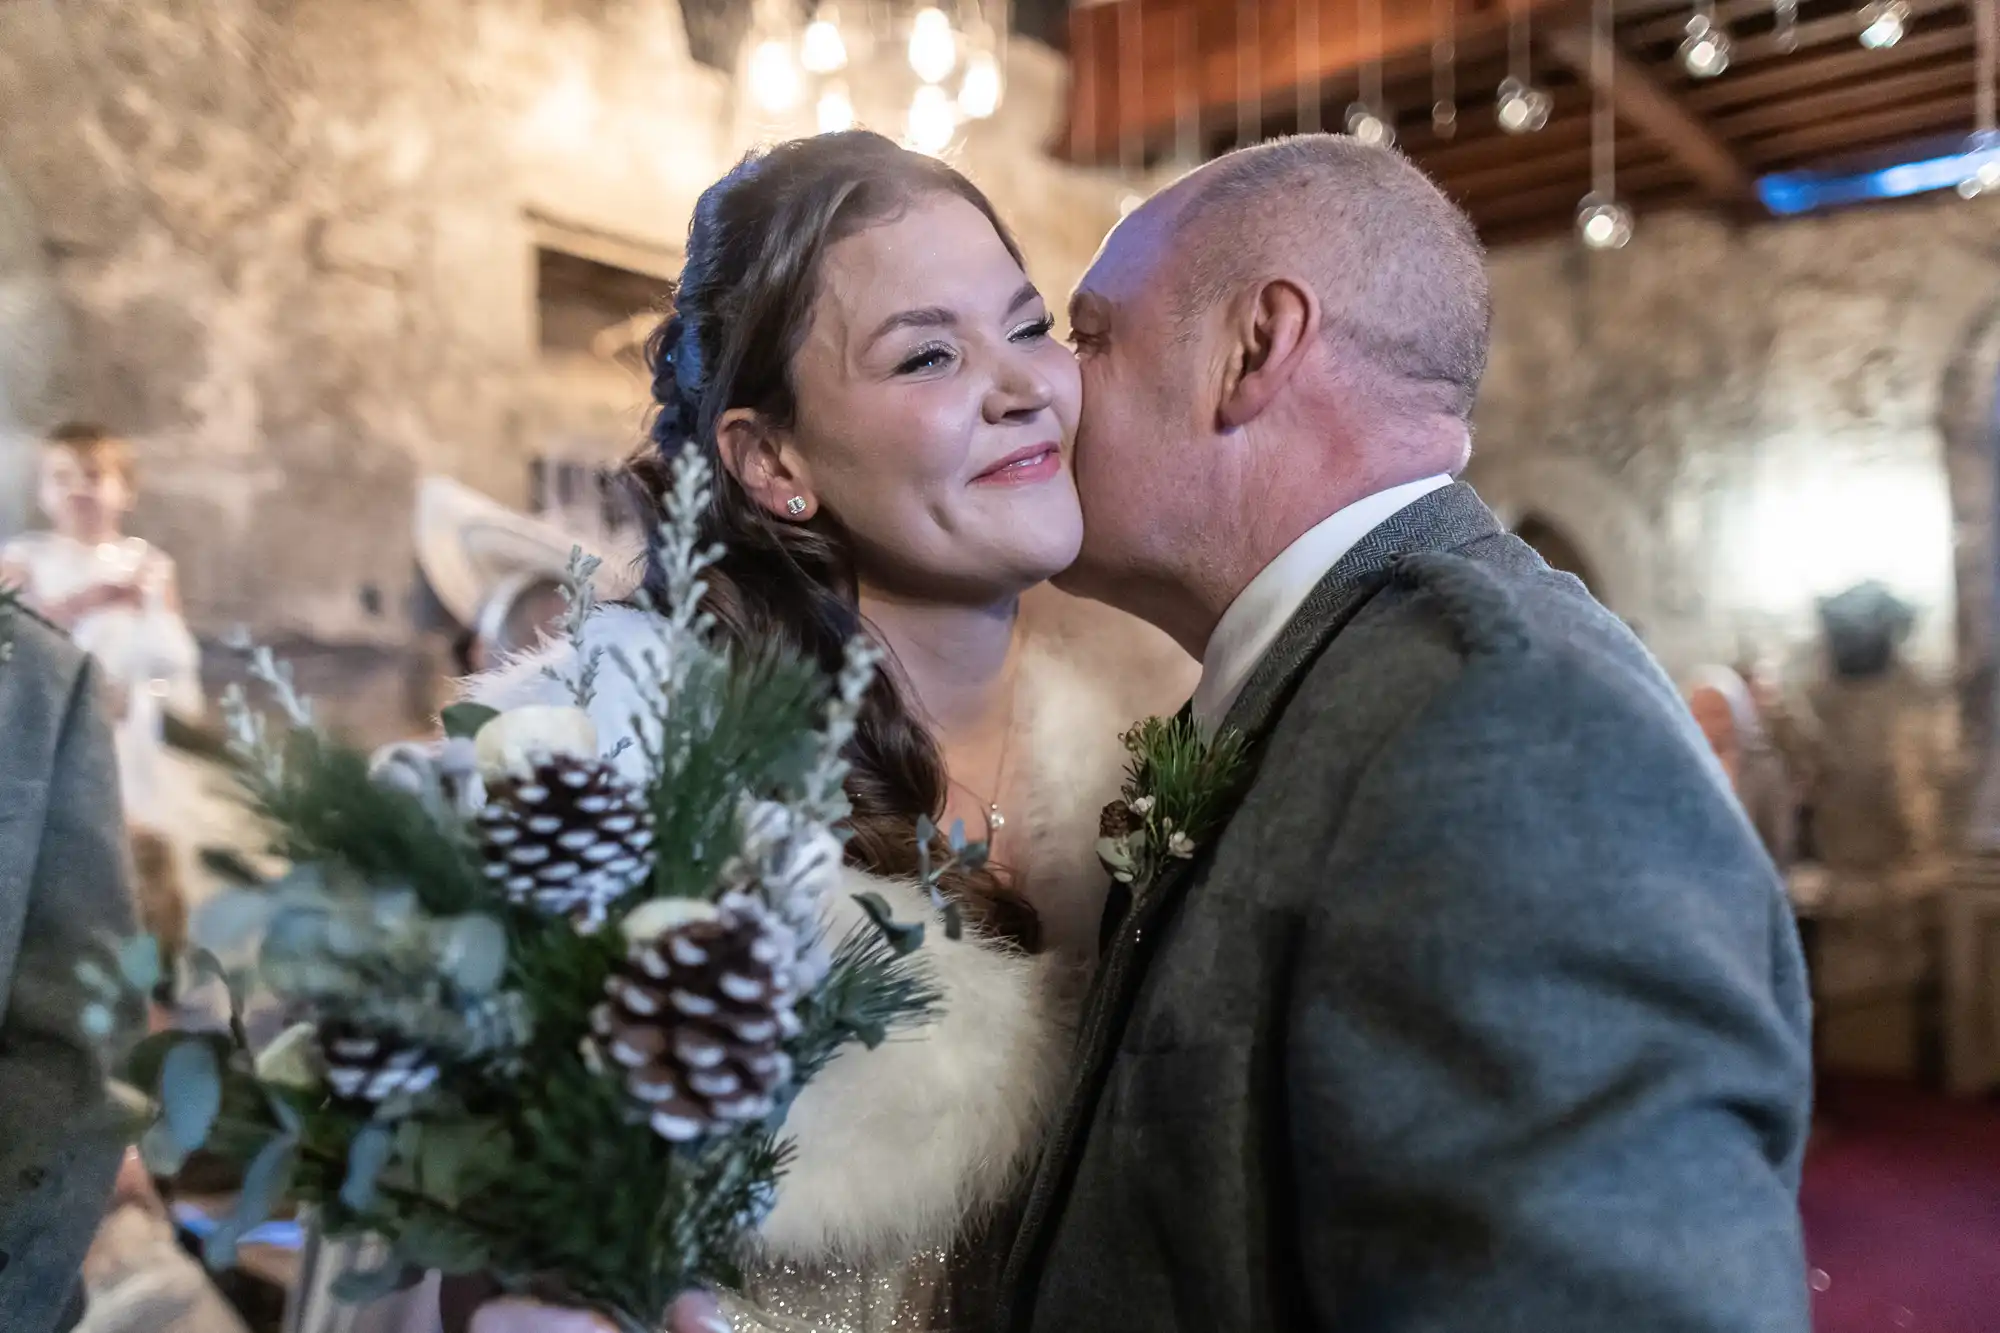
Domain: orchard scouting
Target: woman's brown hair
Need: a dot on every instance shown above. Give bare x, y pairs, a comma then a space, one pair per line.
742, 310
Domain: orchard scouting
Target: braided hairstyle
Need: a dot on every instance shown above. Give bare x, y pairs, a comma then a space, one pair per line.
742, 310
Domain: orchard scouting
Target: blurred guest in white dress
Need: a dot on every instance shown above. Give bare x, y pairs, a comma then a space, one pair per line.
118, 598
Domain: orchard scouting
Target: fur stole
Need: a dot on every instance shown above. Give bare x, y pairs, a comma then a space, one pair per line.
901, 1148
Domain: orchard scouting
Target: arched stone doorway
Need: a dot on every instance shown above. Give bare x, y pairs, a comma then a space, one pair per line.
1555, 546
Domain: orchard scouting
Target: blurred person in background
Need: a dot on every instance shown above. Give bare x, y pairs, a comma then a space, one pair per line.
1723, 704
63, 889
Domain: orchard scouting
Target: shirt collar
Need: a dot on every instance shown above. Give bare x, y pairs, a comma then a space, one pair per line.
1268, 602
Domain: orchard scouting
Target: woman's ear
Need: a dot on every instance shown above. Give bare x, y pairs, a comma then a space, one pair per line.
766, 464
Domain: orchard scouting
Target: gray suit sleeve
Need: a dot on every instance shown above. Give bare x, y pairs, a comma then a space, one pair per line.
59, 1143
1546, 1048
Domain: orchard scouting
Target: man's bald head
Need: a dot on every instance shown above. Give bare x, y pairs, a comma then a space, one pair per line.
1397, 267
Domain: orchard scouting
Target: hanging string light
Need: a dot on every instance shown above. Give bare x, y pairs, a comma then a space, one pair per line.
1704, 51
1249, 104
1985, 175
1366, 120
1602, 222
1520, 106
1444, 58
1306, 60
1131, 101
1785, 24
1883, 22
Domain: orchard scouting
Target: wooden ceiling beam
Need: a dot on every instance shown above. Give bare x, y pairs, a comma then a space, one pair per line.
1816, 108
1798, 146
1561, 165
1830, 31
1641, 102
1561, 198
1793, 76
1144, 70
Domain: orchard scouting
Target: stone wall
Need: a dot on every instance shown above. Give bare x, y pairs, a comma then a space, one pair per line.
1732, 422
292, 243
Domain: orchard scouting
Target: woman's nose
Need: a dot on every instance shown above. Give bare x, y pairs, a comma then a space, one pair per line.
1020, 391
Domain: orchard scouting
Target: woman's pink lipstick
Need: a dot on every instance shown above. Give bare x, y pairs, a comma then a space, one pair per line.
1037, 462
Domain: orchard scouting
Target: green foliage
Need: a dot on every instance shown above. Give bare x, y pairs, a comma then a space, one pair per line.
526, 1160
462, 721
326, 809
1192, 778
870, 990
751, 731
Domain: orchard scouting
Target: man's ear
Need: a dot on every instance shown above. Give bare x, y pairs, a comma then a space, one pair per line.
1272, 333
767, 464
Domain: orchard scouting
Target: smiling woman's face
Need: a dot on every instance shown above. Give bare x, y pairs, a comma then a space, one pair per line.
935, 411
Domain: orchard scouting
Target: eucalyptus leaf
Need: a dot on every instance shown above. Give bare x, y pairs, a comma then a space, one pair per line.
265, 1181
366, 1156
232, 920
926, 830
190, 1092
159, 1150
284, 1112
954, 921
957, 839
462, 721
474, 953
218, 1248
902, 938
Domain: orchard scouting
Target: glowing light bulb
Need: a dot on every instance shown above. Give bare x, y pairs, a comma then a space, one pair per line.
933, 49
822, 49
1984, 180
931, 122
1705, 52
1604, 224
774, 77
835, 110
1882, 23
1522, 108
979, 95
1370, 128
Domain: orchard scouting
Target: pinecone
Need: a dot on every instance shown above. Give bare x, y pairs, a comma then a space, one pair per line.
570, 838
697, 1018
366, 1065
1117, 820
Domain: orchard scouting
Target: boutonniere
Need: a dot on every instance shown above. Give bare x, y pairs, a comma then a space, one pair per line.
1177, 789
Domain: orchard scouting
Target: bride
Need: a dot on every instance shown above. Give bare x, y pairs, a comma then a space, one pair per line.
857, 347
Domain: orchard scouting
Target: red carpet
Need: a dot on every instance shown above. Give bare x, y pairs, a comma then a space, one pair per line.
1902, 1212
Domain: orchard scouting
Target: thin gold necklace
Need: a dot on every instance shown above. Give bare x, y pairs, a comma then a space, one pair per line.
995, 819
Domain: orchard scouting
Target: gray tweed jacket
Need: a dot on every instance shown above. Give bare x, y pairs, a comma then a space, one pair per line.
63, 887
1484, 1014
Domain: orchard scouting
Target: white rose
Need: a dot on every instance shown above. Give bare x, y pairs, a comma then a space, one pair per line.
656, 916
518, 739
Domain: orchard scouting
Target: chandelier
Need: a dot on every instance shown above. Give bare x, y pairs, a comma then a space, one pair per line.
915, 70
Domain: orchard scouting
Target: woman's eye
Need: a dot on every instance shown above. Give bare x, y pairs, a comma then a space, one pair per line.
924, 358
1035, 330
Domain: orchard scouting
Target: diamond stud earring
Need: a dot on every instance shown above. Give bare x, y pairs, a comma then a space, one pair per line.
796, 505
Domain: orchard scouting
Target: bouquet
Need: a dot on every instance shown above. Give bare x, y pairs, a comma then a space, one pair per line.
545, 1021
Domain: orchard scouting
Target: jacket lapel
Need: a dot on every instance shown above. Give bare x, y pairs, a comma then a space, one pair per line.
1446, 519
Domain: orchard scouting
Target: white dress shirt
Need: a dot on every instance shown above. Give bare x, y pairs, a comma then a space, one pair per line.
1268, 602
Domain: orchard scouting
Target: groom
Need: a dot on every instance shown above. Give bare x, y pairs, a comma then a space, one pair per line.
1484, 1011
